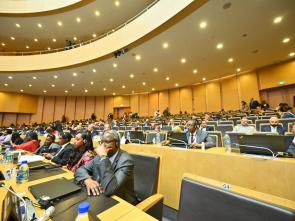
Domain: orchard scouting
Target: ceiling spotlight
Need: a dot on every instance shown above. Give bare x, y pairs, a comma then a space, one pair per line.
53, 85
138, 57
97, 13
66, 91
93, 70
91, 82
78, 19
73, 85
204, 79
17, 25
286, 40
183, 60
114, 94
277, 19
21, 90
55, 76
165, 45
59, 23
117, 3
53, 39
35, 39
44, 91
230, 60
111, 80
219, 46
155, 69
123, 86
167, 78
27, 47
75, 38
131, 75
153, 89
143, 83
30, 85
115, 65
5, 85
292, 54
3, 44
49, 48
203, 24
176, 85
104, 89
10, 77
85, 90
94, 35
238, 69
39, 25
34, 77
12, 38
74, 74
195, 71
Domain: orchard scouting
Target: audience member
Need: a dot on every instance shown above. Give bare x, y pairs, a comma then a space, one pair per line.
289, 114
245, 107
274, 126
264, 105
16, 139
244, 127
253, 104
6, 136
291, 148
49, 146
31, 144
205, 127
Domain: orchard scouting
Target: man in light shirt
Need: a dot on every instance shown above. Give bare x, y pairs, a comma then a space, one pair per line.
244, 127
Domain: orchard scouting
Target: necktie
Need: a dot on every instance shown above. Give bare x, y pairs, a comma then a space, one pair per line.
192, 138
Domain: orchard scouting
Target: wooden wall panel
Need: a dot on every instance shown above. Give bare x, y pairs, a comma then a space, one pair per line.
109, 106
248, 86
121, 101
134, 103
186, 98
174, 101
80, 108
230, 95
9, 118
23, 119
22, 103
48, 110
163, 100
1, 117
37, 118
199, 98
99, 107
153, 103
70, 108
213, 96
59, 111
143, 105
90, 104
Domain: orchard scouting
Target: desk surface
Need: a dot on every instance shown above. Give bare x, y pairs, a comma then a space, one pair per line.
121, 211
274, 177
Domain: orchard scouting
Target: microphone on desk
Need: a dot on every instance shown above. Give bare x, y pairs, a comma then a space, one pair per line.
138, 140
181, 141
2, 184
46, 214
256, 147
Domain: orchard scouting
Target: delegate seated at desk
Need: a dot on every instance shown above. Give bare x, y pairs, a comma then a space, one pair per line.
110, 172
195, 136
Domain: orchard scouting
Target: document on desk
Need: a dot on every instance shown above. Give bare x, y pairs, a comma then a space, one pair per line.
30, 158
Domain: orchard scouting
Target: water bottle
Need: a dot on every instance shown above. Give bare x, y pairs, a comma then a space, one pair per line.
23, 173
128, 136
83, 212
203, 146
227, 143
8, 157
158, 138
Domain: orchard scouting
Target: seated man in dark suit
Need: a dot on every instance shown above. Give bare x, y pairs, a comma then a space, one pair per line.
63, 155
110, 172
205, 127
196, 137
274, 126
49, 146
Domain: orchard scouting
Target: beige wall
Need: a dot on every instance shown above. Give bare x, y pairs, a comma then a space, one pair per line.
18, 103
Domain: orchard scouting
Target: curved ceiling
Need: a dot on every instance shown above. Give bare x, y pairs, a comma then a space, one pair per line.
97, 17
250, 32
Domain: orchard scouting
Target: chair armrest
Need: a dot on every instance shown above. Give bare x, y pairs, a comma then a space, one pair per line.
150, 202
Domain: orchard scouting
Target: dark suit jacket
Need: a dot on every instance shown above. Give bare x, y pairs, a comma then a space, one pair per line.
280, 129
254, 104
291, 148
209, 128
115, 179
63, 156
202, 136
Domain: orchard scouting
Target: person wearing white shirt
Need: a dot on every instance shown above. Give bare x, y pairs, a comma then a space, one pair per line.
244, 127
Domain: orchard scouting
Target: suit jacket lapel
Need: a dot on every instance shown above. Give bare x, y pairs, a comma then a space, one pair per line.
114, 165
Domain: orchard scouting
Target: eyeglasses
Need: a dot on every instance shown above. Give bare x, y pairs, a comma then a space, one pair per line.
107, 141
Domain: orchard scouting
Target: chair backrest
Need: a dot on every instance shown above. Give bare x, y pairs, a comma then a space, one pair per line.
219, 137
225, 122
152, 135
287, 122
145, 128
166, 127
263, 125
215, 139
115, 128
203, 202
224, 128
146, 175
122, 128
258, 122
212, 123
252, 118
267, 117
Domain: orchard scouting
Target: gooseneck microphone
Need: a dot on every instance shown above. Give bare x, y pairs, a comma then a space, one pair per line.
136, 140
181, 141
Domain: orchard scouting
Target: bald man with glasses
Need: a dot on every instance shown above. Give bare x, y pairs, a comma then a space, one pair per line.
111, 172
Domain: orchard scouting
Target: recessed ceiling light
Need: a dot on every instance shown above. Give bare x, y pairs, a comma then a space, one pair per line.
52, 85
165, 45
153, 89
115, 65
143, 83
12, 38
114, 94
277, 19
117, 3
238, 69
39, 25
195, 71
27, 47
66, 91
85, 90
21, 90
55, 76
10, 77
34, 77
74, 74
104, 89
97, 13
17, 25
123, 86
176, 85
5, 85
94, 35
204, 79
78, 19
91, 82
35, 39
286, 40
131, 75
183, 60
155, 69
132, 92
75, 38
3, 44
44, 91
49, 48
219, 46
292, 54
53, 39
203, 24
30, 85
138, 57
73, 85
167, 78
93, 70
59, 23
111, 80
230, 60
